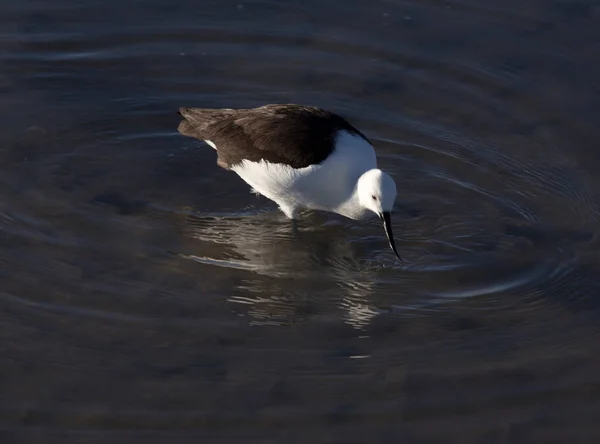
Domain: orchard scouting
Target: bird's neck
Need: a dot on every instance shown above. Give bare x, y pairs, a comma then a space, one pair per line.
352, 208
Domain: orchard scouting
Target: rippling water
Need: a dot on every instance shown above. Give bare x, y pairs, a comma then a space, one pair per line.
147, 296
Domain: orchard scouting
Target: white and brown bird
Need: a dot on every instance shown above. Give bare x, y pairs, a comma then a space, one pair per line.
300, 157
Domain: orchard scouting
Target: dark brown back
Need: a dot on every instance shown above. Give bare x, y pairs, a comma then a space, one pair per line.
292, 134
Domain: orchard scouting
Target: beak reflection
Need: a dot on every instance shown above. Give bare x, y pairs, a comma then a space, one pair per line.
387, 224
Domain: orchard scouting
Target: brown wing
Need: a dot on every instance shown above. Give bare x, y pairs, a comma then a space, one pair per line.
292, 134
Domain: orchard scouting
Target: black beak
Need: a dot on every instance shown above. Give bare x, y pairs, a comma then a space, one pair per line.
387, 224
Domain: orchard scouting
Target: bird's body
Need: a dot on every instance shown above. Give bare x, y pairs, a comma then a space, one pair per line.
329, 185
299, 157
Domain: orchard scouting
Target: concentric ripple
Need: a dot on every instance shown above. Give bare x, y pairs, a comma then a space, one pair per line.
148, 295
461, 189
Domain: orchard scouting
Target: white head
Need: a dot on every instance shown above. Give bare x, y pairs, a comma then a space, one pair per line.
377, 192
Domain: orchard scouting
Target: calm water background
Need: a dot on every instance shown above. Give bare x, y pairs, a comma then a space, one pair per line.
147, 296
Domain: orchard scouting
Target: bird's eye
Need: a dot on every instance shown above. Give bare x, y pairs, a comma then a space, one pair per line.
374, 197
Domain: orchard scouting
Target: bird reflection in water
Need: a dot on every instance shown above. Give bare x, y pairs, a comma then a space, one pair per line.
293, 277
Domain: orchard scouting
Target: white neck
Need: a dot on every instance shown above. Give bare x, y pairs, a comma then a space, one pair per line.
352, 208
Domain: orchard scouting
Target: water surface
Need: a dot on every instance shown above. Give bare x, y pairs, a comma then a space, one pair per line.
147, 296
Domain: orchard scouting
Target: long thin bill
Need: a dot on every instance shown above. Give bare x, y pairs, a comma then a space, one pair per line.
387, 224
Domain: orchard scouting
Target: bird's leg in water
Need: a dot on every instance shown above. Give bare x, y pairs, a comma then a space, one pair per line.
290, 212
295, 227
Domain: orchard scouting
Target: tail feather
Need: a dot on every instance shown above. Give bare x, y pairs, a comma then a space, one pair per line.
185, 128
197, 120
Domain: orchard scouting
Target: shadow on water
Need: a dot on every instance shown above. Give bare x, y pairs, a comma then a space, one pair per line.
146, 295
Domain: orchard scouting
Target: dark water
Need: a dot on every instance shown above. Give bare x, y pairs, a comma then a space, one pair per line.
147, 296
